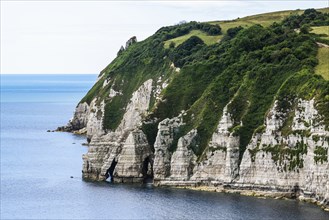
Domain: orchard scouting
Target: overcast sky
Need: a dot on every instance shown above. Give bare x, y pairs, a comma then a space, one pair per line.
84, 36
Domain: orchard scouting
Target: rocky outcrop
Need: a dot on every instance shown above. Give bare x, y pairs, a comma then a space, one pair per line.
219, 163
95, 119
295, 165
79, 121
164, 140
135, 160
122, 153
136, 108
183, 159
131, 41
222, 157
290, 163
87, 119
120, 50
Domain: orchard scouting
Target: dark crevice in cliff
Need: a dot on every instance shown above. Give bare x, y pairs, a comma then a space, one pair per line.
147, 170
110, 171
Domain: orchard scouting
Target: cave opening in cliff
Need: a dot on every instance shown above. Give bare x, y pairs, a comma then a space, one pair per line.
147, 170
110, 170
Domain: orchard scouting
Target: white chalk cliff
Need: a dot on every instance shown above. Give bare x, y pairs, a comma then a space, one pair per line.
296, 163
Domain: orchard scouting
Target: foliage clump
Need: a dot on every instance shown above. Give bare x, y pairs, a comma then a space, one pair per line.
310, 17
288, 158
251, 67
170, 32
320, 154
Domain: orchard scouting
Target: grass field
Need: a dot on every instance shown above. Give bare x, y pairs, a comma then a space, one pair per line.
324, 30
262, 19
206, 38
323, 67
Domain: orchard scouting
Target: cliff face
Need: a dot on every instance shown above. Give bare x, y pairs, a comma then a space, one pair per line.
295, 163
247, 113
126, 148
280, 162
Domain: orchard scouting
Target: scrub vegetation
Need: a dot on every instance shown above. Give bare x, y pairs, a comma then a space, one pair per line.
258, 60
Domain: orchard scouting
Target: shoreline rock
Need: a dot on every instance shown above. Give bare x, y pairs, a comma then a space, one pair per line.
247, 192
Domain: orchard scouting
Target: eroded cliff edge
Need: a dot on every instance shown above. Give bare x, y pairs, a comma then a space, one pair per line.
247, 113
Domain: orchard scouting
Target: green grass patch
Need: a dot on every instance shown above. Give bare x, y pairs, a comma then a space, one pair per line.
323, 31
263, 19
322, 68
207, 39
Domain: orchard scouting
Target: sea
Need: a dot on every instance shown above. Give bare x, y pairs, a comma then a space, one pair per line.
41, 171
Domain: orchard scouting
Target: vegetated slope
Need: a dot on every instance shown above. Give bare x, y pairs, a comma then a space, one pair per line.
323, 67
207, 39
322, 31
252, 66
265, 20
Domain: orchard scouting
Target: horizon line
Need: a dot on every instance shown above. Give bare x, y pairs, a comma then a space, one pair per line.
49, 73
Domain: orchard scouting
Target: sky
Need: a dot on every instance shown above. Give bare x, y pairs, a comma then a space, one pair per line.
81, 37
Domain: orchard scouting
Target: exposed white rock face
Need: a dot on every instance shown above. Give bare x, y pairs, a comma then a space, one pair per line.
177, 69
264, 163
183, 159
95, 119
114, 93
102, 150
307, 117
87, 119
135, 157
272, 161
80, 118
137, 107
296, 163
106, 82
222, 157
274, 119
220, 163
126, 147
165, 84
165, 137
159, 87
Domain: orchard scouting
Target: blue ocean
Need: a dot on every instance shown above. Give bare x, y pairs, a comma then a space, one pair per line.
37, 166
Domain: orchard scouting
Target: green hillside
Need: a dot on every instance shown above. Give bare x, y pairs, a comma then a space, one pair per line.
258, 60
323, 31
207, 39
323, 67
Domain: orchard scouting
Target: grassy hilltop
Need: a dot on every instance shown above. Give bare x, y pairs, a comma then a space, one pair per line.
249, 62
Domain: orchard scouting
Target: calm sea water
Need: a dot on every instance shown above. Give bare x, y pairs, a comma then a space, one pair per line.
36, 167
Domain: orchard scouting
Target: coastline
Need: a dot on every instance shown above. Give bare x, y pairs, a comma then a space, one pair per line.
254, 193
261, 192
